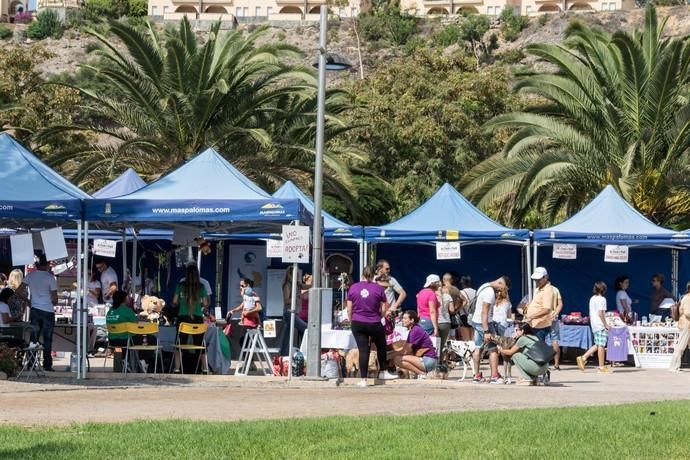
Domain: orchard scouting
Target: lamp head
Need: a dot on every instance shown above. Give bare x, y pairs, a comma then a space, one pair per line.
334, 62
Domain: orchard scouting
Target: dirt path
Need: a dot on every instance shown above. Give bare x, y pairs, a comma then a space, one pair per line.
62, 401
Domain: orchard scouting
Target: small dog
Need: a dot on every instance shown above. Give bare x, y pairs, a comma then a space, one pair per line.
506, 343
463, 354
352, 362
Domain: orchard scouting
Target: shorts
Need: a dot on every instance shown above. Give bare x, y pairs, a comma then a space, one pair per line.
555, 334
429, 363
601, 337
542, 333
479, 333
427, 325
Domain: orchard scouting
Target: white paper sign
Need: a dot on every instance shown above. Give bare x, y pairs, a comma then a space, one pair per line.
54, 243
274, 248
185, 236
295, 244
22, 249
617, 254
270, 328
447, 250
105, 248
564, 251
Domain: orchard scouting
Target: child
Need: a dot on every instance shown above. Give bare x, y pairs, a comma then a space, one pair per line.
597, 321
250, 306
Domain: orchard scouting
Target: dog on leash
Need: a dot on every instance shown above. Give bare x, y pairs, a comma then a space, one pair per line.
352, 362
462, 352
506, 343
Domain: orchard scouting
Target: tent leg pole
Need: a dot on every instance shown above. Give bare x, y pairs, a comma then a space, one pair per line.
529, 267
134, 264
77, 305
85, 326
124, 257
674, 272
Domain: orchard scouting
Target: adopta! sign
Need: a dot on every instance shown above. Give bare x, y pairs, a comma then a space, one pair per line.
295, 244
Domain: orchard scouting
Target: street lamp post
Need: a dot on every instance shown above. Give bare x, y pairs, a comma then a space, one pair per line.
325, 62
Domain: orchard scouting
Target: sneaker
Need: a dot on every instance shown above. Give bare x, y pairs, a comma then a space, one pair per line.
362, 384
421, 377
547, 378
508, 381
556, 368
385, 375
581, 363
33, 345
478, 378
497, 380
604, 370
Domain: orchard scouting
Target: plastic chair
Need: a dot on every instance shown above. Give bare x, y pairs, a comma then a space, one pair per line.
135, 329
191, 329
118, 328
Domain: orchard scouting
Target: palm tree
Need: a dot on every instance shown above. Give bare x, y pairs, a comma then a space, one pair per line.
615, 111
171, 96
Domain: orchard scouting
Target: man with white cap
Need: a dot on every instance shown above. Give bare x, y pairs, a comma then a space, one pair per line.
427, 305
539, 313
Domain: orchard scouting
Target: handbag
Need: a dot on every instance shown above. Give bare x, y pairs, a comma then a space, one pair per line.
539, 352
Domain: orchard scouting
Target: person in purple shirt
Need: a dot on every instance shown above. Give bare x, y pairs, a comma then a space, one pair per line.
420, 357
366, 305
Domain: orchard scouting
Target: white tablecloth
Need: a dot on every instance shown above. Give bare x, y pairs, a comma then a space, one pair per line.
342, 339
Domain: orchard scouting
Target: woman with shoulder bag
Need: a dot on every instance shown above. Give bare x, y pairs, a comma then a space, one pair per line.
521, 355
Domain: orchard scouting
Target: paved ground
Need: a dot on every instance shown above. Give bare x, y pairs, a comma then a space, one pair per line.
61, 400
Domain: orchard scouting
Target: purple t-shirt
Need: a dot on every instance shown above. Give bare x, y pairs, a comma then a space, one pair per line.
366, 298
418, 338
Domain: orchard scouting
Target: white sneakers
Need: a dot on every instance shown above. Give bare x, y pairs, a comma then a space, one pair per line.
385, 375
33, 345
362, 384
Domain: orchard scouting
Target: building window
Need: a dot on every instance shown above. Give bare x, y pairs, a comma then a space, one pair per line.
528, 10
269, 11
612, 6
489, 10
604, 7
341, 12
258, 11
165, 10
154, 10
238, 11
498, 10
353, 12
245, 11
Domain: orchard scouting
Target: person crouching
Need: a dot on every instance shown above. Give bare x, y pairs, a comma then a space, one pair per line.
420, 355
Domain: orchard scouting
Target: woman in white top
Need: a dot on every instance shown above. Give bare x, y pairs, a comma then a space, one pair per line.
623, 300
502, 311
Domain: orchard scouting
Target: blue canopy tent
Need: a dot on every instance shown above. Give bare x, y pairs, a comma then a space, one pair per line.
128, 182
609, 220
207, 191
332, 227
449, 216
34, 195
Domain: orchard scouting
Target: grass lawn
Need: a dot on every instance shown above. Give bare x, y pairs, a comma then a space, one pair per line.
650, 431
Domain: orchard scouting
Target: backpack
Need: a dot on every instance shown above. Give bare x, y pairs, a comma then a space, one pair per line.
540, 352
473, 303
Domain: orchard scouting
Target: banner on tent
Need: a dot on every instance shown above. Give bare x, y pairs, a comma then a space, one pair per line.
274, 248
295, 244
447, 251
616, 254
564, 251
105, 248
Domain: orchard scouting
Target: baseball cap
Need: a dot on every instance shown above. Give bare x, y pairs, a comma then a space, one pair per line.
539, 273
431, 279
